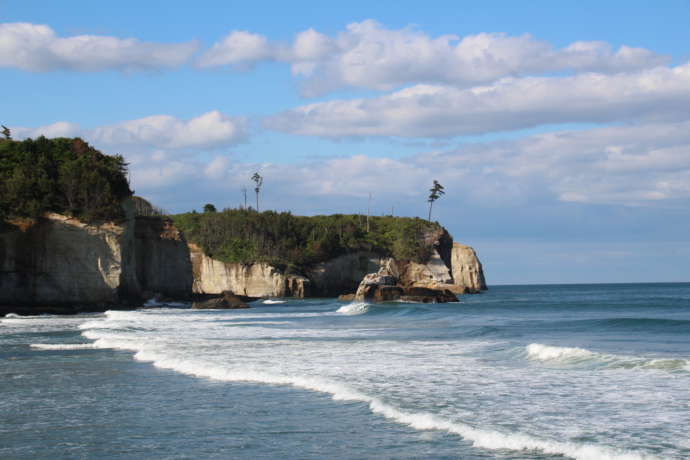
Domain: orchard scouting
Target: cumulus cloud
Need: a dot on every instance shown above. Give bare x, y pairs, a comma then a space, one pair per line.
37, 48
207, 131
660, 93
368, 55
239, 49
630, 165
211, 129
57, 129
637, 165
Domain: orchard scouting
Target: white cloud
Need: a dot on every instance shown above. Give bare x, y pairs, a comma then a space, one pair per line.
240, 49
57, 129
217, 169
433, 111
37, 48
622, 165
209, 130
630, 165
368, 55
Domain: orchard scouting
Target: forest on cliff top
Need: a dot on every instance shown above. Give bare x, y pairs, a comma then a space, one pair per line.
61, 175
282, 239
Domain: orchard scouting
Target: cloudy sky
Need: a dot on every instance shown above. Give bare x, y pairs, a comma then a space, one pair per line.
560, 130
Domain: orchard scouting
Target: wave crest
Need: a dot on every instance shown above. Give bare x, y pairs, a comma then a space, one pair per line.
63, 346
574, 356
356, 308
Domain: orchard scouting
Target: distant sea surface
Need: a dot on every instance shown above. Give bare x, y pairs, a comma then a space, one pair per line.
518, 372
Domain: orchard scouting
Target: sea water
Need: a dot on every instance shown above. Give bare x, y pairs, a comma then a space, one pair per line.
577, 371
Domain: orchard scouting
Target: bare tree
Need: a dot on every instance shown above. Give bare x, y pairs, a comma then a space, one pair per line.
436, 192
259, 182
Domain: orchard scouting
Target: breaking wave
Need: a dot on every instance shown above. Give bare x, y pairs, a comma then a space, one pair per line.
574, 356
64, 346
487, 439
356, 308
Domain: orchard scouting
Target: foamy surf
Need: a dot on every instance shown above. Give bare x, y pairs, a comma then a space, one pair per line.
273, 302
575, 355
63, 346
539, 352
356, 308
159, 351
482, 438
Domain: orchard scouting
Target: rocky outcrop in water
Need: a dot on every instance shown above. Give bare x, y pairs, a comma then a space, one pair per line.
385, 287
435, 279
224, 302
467, 270
57, 262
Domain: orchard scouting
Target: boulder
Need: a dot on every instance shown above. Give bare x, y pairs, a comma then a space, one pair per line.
346, 297
227, 301
378, 287
426, 295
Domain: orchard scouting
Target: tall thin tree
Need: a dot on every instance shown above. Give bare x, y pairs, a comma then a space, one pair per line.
436, 192
258, 180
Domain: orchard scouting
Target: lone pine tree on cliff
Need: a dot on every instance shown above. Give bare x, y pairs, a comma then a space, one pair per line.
436, 193
6, 132
259, 182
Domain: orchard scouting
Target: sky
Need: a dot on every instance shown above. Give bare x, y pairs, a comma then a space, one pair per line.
560, 130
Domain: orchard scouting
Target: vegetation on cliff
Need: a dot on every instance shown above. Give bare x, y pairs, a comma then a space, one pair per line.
60, 175
244, 236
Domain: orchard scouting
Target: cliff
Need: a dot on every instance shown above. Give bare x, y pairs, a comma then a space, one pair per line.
449, 266
250, 280
467, 269
57, 263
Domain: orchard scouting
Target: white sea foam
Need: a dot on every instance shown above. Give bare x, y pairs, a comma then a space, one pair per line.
539, 352
426, 384
273, 302
488, 439
63, 346
574, 355
356, 308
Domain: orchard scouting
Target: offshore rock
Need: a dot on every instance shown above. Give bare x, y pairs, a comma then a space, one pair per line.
227, 301
381, 287
468, 274
426, 295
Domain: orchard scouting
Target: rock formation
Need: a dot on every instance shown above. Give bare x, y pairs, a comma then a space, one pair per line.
59, 263
467, 270
451, 269
252, 280
383, 287
226, 301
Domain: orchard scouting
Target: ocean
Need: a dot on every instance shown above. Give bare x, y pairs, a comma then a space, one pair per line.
519, 372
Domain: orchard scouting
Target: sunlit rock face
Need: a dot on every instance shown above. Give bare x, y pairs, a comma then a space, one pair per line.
60, 261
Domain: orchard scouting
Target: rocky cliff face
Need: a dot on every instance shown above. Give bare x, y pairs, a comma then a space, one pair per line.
60, 261
467, 270
450, 266
252, 280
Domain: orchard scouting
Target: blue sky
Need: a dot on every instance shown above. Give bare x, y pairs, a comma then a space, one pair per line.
561, 130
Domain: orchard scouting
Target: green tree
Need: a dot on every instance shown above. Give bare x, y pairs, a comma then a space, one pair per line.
258, 180
208, 207
436, 192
